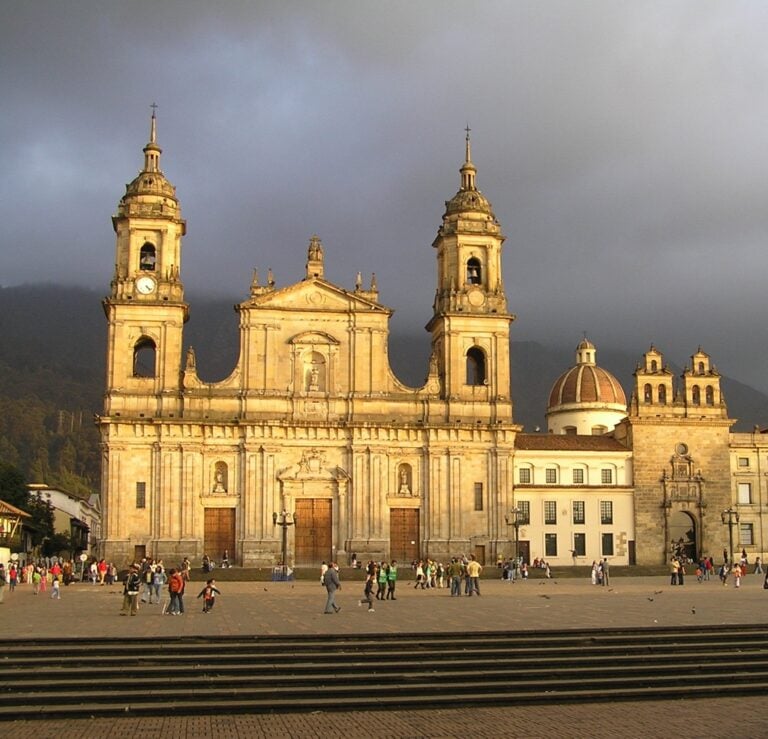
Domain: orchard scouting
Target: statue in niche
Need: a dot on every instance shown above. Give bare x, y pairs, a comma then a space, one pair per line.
314, 378
220, 480
405, 487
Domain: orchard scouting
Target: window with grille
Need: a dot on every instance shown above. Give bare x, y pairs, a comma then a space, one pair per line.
550, 545
579, 545
747, 534
525, 476
141, 494
606, 511
607, 545
578, 477
551, 475
606, 476
745, 493
550, 512
523, 512
578, 511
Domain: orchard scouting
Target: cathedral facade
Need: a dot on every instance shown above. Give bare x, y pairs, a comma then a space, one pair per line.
313, 450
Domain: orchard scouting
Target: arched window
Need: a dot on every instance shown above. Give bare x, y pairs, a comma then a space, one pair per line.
599, 430
144, 355
147, 257
654, 365
709, 394
701, 368
662, 394
474, 271
475, 366
696, 395
647, 394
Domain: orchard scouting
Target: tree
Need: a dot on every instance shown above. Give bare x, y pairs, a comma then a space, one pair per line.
42, 519
13, 486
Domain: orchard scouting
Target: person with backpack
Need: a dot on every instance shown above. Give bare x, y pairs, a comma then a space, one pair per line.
131, 590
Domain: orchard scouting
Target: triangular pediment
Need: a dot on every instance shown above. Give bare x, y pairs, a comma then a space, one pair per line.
314, 294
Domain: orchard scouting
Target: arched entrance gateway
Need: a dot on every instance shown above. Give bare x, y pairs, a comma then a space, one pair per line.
682, 536
682, 495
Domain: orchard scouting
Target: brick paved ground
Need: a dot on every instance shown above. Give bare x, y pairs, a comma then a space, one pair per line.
290, 608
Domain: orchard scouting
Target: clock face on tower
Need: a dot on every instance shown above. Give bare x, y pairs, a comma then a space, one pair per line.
146, 285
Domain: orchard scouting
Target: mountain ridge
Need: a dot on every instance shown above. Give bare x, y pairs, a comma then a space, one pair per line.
70, 340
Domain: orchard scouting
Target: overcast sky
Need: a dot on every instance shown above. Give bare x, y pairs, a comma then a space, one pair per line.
624, 146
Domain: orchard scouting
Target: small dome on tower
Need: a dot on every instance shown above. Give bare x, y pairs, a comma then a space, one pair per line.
586, 398
468, 198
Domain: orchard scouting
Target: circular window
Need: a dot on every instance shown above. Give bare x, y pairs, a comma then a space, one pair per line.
681, 448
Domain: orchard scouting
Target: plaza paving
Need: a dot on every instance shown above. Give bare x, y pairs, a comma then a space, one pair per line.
297, 608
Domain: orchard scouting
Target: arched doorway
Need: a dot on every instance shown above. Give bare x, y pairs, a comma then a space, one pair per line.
682, 535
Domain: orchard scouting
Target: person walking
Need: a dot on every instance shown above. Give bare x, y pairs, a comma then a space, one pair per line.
332, 584
474, 568
158, 580
208, 594
56, 589
392, 580
367, 592
454, 573
737, 571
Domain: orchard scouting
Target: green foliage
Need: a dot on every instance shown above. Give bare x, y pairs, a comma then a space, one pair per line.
58, 544
42, 519
13, 486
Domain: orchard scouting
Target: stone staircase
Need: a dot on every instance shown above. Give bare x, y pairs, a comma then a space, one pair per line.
71, 678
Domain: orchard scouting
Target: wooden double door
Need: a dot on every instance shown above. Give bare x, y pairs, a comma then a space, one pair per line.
219, 535
404, 534
314, 531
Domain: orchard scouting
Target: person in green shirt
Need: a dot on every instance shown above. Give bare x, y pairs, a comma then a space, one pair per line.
391, 580
381, 580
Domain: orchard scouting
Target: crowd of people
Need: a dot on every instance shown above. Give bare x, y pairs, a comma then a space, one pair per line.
49, 573
705, 568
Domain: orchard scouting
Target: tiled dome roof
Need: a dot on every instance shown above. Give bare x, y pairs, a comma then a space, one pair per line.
586, 382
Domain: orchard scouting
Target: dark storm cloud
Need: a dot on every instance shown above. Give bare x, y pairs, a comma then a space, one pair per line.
623, 146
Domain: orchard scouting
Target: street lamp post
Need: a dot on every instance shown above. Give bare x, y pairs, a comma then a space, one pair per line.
730, 516
284, 520
515, 521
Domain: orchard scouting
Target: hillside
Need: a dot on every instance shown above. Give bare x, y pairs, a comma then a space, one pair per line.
52, 352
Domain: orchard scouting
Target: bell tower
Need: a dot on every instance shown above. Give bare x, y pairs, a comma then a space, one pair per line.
470, 324
145, 308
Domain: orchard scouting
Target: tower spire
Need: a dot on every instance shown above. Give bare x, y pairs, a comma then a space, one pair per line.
468, 170
152, 151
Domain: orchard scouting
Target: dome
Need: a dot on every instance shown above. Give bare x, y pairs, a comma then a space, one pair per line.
466, 201
586, 399
586, 383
